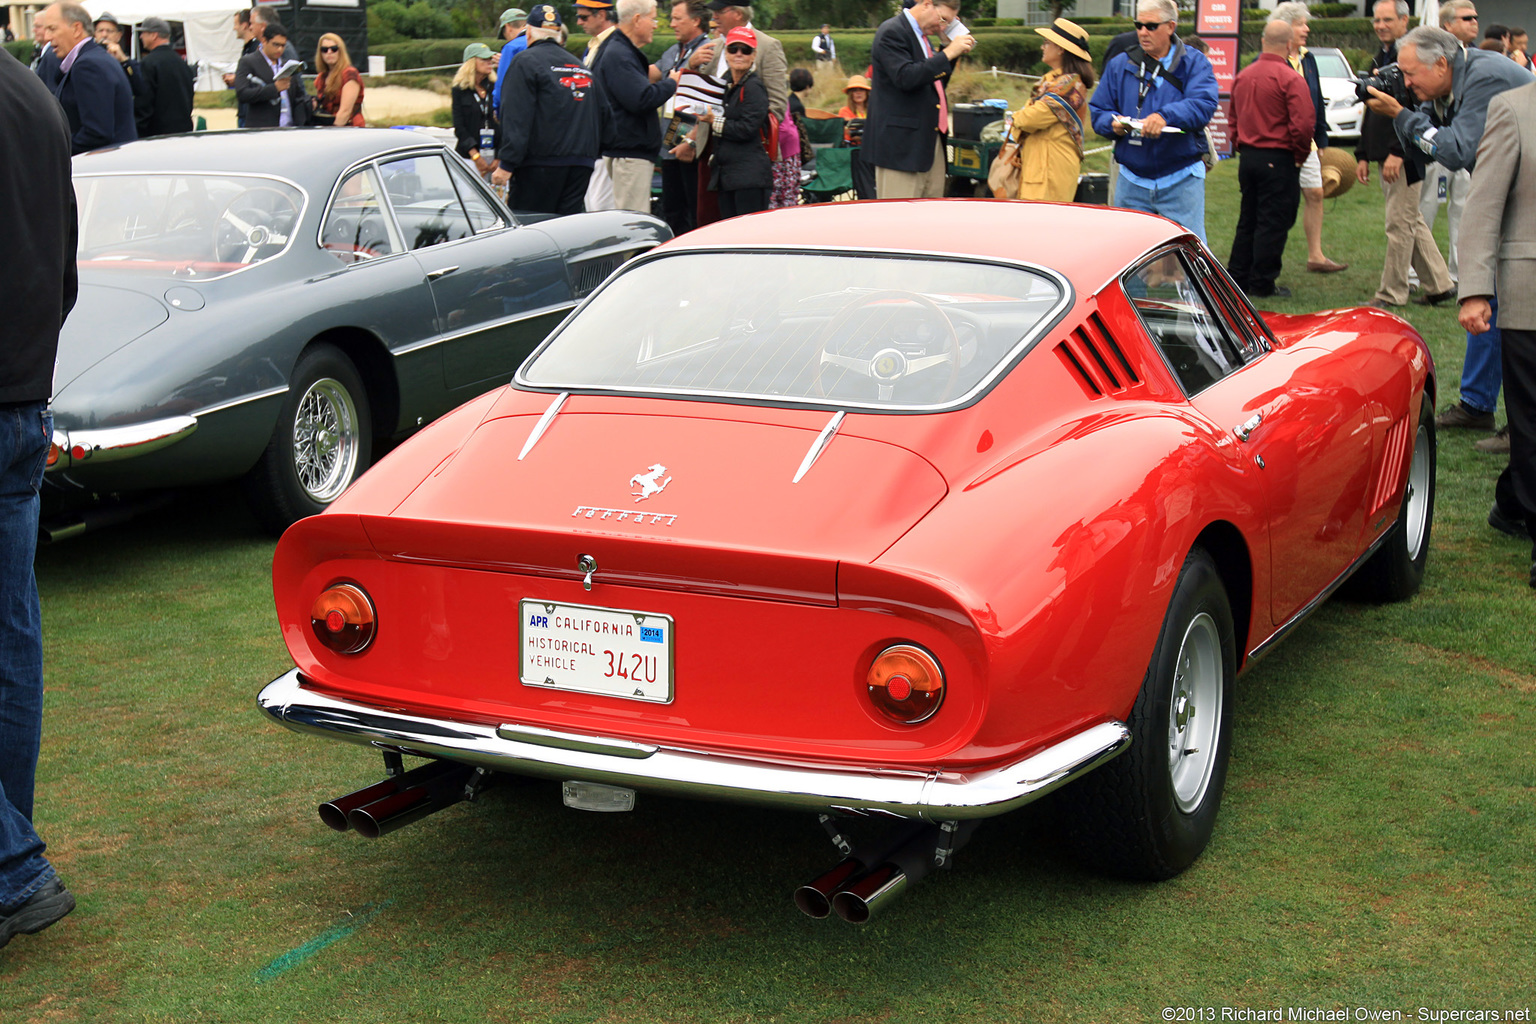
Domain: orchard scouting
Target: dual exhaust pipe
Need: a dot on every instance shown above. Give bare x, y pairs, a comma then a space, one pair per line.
396, 802
871, 878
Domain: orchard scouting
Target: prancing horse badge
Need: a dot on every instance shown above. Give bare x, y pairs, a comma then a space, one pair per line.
650, 482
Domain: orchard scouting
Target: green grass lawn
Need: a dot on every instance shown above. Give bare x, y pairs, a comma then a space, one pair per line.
1374, 849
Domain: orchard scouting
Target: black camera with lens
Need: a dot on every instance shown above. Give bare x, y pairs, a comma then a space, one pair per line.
1389, 79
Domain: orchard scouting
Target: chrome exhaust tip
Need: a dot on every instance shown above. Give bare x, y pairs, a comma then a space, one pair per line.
337, 813
815, 898
870, 894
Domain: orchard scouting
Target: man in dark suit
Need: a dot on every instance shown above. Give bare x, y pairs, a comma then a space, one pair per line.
37, 263
164, 103
92, 87
908, 111
270, 102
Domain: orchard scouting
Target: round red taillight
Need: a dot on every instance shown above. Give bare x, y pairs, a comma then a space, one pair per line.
343, 618
906, 684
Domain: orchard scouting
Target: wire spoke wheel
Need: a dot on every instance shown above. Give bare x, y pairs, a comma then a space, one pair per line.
325, 447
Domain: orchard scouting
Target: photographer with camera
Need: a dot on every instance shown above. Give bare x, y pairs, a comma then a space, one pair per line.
1409, 242
1453, 87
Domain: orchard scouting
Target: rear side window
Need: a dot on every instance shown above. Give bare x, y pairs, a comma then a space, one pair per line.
425, 201
481, 213
357, 226
1195, 340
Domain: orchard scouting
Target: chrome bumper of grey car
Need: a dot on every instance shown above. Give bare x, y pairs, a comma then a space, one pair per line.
107, 444
929, 795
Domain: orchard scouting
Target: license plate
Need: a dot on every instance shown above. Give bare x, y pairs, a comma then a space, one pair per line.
595, 650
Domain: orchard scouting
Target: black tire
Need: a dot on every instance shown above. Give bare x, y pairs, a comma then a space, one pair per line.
1150, 812
322, 441
1396, 571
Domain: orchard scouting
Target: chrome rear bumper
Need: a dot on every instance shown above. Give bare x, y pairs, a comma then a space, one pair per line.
929, 795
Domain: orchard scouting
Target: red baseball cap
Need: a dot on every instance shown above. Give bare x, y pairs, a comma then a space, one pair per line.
741, 35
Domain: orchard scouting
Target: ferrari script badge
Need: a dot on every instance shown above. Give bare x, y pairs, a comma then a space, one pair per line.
649, 482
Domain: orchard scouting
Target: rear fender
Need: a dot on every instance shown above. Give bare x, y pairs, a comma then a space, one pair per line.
1066, 560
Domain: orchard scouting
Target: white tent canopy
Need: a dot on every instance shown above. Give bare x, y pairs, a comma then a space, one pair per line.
208, 24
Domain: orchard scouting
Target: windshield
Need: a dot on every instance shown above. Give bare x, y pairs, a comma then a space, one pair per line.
1332, 65
836, 329
183, 225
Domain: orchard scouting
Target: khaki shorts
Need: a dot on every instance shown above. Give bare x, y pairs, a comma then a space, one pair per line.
1311, 171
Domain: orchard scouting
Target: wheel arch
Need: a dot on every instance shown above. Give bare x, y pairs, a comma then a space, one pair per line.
368, 354
1225, 543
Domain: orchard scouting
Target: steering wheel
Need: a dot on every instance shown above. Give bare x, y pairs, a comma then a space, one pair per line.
875, 356
257, 217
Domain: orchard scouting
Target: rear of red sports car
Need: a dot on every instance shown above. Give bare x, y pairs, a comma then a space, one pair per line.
849, 529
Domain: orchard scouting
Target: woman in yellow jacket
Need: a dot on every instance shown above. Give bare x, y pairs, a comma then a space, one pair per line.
1049, 128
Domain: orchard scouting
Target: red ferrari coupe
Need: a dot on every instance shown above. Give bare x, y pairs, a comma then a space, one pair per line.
907, 511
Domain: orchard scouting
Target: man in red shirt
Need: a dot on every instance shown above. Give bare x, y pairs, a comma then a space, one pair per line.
1274, 117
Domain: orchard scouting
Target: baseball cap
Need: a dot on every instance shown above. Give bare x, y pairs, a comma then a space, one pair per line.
510, 16
595, 5
741, 34
477, 50
544, 16
153, 24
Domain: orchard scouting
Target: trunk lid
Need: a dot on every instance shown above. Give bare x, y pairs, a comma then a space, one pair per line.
683, 495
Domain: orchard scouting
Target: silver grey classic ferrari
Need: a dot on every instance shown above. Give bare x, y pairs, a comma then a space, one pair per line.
266, 305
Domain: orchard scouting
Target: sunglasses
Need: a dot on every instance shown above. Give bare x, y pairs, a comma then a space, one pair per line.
330, 49
739, 49
1150, 26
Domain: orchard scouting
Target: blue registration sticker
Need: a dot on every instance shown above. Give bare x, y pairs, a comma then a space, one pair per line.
651, 634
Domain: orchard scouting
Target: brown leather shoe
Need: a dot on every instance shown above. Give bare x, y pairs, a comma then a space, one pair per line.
1498, 444
1327, 266
1461, 417
1384, 304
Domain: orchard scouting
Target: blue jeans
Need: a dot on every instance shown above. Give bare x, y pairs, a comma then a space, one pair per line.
1483, 371
1183, 202
24, 434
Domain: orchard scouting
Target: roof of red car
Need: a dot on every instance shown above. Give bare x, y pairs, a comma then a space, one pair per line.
1088, 244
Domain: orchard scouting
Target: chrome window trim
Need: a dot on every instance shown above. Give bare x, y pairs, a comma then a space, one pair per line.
209, 410
1180, 249
488, 325
418, 149
288, 247
478, 183
1004, 365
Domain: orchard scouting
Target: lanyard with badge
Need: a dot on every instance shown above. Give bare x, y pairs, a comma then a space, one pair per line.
487, 132
1147, 82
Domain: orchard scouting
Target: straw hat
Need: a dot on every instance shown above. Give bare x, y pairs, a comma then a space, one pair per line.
1338, 170
858, 82
1067, 36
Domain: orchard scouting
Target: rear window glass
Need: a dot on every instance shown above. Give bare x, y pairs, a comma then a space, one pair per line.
184, 225
836, 329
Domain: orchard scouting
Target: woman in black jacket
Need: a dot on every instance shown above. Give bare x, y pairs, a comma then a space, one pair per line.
476, 123
742, 174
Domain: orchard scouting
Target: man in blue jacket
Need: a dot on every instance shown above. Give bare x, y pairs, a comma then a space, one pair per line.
92, 87
1169, 92
513, 27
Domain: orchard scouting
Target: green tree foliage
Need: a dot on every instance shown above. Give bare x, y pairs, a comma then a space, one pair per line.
391, 20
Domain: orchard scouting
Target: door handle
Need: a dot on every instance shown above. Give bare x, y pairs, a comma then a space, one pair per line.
1249, 427
433, 275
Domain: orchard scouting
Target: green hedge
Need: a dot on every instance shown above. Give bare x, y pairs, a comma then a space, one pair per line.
21, 49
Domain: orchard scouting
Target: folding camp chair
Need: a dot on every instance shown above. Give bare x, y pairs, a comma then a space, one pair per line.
823, 129
834, 176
